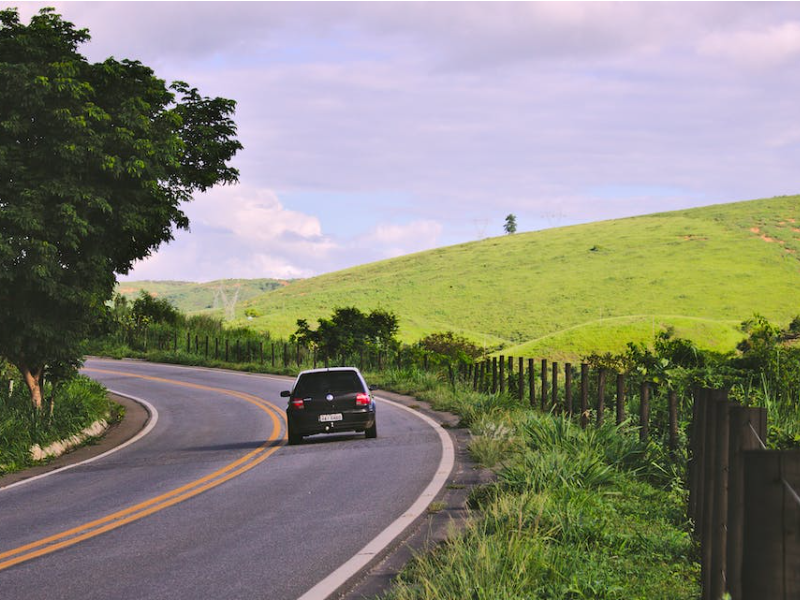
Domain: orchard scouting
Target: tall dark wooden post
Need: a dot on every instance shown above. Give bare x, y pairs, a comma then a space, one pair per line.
554, 391
521, 379
620, 398
601, 396
544, 384
772, 525
531, 382
502, 362
748, 427
672, 407
584, 394
568, 388
644, 411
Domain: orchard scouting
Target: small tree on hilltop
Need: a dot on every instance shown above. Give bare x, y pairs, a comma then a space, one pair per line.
95, 160
510, 224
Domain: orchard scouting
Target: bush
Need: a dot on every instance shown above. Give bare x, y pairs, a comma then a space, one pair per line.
70, 408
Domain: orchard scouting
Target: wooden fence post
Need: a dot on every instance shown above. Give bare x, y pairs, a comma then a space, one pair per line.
584, 394
620, 398
743, 422
771, 567
544, 384
521, 379
261, 352
216, 348
672, 405
644, 410
188, 342
568, 388
502, 362
720, 509
494, 374
273, 354
554, 389
206, 344
475, 377
531, 383
510, 374
227, 348
710, 489
601, 397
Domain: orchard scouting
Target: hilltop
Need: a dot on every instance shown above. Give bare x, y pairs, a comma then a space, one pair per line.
577, 289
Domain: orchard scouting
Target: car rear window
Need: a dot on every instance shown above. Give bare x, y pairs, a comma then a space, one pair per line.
332, 382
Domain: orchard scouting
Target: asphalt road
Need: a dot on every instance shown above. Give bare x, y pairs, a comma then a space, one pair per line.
210, 503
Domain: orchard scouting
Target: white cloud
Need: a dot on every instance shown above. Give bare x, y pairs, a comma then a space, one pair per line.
768, 47
397, 240
243, 232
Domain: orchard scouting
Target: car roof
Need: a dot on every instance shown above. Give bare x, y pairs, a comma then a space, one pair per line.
328, 370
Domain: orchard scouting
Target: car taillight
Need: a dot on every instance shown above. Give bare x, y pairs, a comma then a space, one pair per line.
297, 403
362, 400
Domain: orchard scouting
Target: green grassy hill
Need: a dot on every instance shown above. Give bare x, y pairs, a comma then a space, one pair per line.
192, 298
573, 290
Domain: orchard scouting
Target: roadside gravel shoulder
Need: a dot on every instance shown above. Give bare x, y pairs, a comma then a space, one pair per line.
136, 417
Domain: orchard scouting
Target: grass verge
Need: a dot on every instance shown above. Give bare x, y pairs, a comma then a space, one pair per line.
574, 513
75, 405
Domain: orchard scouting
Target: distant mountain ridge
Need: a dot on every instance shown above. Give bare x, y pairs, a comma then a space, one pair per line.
212, 296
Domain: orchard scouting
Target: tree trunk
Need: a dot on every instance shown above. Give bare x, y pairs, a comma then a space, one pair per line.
33, 379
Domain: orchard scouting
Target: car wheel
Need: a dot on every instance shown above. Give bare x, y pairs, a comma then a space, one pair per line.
371, 432
294, 437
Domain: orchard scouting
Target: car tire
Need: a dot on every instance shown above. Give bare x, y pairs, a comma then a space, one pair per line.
294, 437
371, 432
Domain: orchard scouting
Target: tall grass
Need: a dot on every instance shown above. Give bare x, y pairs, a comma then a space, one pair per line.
574, 513
71, 407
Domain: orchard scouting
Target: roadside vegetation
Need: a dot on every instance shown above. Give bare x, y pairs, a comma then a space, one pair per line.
574, 513
71, 406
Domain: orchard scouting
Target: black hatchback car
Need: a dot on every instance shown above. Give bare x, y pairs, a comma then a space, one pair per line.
329, 401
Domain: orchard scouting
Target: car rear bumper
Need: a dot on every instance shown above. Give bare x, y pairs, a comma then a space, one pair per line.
307, 423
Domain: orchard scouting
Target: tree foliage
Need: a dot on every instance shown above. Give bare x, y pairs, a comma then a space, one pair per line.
510, 225
95, 161
450, 346
349, 331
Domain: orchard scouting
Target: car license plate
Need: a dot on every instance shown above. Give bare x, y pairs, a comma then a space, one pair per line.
330, 418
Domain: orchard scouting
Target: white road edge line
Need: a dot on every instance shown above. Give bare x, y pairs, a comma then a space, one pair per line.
335, 580
147, 429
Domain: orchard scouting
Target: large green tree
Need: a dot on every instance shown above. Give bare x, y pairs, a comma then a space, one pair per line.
95, 161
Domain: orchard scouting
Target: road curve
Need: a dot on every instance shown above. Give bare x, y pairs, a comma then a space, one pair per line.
211, 503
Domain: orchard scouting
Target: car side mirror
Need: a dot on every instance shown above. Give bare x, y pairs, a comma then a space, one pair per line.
372, 388
286, 393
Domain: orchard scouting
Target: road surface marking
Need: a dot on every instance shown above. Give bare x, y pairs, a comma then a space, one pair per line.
363, 557
148, 507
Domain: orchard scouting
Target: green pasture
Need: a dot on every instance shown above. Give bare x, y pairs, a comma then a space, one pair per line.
578, 289
192, 298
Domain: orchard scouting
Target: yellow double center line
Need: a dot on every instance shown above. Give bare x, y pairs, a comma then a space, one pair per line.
97, 527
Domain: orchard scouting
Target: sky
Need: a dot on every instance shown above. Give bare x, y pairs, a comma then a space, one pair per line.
377, 129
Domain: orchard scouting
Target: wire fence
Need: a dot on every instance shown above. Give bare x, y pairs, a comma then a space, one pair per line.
743, 498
